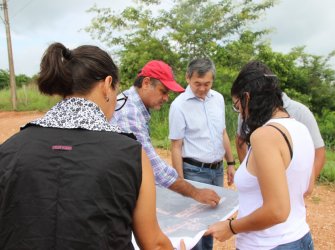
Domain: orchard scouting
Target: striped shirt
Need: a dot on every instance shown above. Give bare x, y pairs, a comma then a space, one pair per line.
134, 118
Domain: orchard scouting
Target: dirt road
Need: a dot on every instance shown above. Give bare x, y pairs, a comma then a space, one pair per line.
320, 205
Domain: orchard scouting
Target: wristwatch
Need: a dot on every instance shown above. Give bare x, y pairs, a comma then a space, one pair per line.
231, 163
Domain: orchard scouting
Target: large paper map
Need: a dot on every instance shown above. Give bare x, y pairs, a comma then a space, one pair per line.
183, 218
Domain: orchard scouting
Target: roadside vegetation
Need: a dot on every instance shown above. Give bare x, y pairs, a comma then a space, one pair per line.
192, 28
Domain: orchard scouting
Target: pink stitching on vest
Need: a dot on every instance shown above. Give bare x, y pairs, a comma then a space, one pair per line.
61, 147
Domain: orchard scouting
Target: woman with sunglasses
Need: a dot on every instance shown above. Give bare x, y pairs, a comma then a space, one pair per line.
275, 174
70, 180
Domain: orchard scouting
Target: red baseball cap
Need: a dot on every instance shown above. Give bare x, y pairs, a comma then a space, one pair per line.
162, 72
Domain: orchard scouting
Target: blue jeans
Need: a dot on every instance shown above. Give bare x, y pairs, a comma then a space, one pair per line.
208, 176
304, 243
204, 175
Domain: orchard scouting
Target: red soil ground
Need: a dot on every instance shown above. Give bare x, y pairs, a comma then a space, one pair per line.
320, 205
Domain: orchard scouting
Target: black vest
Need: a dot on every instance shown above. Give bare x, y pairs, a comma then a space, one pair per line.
68, 189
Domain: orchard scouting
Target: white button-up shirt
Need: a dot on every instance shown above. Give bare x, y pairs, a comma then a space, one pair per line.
200, 123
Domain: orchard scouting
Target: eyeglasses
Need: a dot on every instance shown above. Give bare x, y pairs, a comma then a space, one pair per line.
235, 108
121, 101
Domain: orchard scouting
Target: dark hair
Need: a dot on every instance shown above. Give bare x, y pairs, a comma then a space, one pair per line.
200, 66
65, 72
138, 81
265, 96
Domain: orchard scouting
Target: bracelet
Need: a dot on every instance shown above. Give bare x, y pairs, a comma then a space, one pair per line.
231, 163
230, 226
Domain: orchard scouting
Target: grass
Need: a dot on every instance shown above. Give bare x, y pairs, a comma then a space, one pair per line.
327, 174
29, 98
159, 129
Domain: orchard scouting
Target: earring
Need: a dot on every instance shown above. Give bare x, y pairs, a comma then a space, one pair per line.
107, 99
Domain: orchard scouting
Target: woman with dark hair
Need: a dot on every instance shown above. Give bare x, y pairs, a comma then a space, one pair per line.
70, 180
275, 174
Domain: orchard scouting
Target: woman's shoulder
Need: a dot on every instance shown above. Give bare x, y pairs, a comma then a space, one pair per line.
265, 135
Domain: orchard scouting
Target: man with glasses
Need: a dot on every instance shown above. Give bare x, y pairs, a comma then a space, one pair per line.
302, 114
150, 91
198, 133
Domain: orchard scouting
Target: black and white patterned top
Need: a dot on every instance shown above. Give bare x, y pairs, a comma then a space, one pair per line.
73, 113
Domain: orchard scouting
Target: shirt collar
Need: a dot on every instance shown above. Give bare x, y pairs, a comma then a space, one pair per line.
189, 94
74, 113
133, 94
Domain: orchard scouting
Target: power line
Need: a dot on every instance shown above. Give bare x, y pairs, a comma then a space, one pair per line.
1, 7
20, 10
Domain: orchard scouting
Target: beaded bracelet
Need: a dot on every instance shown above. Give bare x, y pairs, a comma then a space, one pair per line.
230, 226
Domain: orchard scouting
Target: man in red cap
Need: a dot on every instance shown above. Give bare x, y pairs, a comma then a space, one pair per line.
150, 91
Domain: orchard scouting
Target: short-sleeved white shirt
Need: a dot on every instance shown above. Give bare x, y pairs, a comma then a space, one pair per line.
200, 123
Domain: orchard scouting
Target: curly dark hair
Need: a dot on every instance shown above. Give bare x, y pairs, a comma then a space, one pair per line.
258, 90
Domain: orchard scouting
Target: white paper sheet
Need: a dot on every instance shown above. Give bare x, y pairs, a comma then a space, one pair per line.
184, 218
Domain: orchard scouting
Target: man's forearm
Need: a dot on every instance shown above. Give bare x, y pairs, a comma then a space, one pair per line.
319, 161
177, 160
184, 188
226, 144
203, 195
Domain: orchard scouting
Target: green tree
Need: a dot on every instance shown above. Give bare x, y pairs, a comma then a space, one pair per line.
22, 80
188, 29
220, 30
4, 79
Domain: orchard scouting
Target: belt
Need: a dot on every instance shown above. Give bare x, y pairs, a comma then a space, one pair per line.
214, 165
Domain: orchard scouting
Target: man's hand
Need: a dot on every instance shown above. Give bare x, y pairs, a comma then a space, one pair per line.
230, 174
202, 195
206, 196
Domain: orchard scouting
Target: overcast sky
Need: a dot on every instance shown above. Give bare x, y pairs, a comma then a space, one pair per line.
37, 23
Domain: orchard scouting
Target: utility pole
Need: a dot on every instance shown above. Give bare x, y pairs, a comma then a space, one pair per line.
10, 56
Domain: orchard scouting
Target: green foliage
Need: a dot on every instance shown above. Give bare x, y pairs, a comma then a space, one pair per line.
231, 121
22, 80
327, 174
196, 27
19, 79
190, 28
159, 134
327, 127
217, 29
28, 98
159, 127
150, 49
4, 79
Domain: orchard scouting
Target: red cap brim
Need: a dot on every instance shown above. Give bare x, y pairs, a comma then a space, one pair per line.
173, 86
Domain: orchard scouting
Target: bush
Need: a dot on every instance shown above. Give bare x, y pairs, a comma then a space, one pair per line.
327, 174
28, 98
327, 127
159, 127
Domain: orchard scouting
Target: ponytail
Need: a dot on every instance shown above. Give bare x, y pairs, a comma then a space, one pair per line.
66, 72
